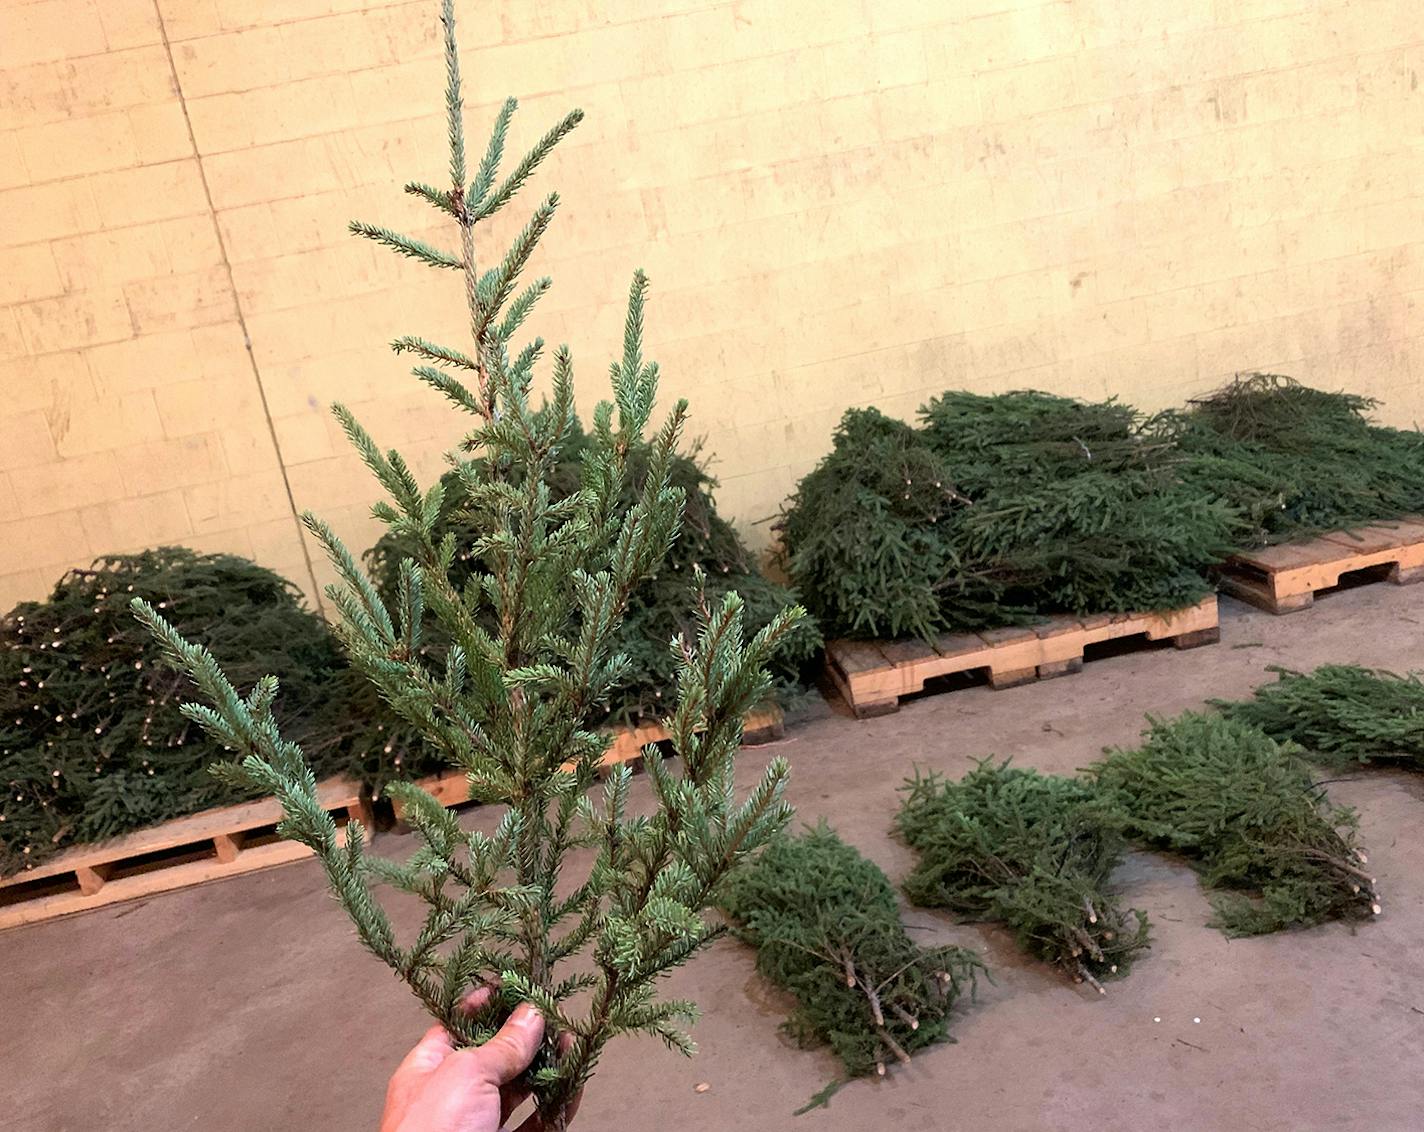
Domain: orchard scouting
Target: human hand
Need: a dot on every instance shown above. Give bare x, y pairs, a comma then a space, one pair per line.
439, 1088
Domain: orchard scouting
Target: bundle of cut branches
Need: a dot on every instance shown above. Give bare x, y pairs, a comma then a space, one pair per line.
1031, 851
999, 510
1245, 811
91, 743
826, 927
1291, 461
1341, 713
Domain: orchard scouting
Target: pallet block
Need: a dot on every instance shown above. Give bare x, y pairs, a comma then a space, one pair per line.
186, 851
1285, 578
872, 676
452, 788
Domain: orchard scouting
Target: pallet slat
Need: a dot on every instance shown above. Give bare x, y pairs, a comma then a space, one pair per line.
957, 644
1011, 656
1365, 540
1057, 625
49, 907
176, 854
1285, 578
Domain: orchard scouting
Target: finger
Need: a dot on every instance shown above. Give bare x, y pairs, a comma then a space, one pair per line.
506, 1055
510, 1098
428, 1053
476, 1000
416, 1067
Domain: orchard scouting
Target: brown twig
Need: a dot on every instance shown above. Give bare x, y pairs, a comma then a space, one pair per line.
893, 1046
853, 979
1087, 977
905, 1016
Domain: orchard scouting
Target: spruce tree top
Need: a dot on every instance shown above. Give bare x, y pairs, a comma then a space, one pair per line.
530, 656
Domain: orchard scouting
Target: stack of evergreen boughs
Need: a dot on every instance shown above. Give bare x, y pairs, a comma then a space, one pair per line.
1033, 852
1292, 461
1247, 814
826, 927
91, 740
1341, 712
661, 607
998, 510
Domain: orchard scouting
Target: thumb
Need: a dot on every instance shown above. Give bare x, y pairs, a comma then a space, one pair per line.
419, 1064
506, 1055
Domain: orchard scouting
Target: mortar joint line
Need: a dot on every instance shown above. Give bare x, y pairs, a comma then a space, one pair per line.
241, 315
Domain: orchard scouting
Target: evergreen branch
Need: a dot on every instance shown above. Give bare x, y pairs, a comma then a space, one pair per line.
495, 289
531, 161
405, 245
442, 355
454, 103
489, 166
389, 469
381, 631
272, 763
518, 310
1033, 851
412, 607
523, 366
451, 387
437, 197
632, 365
501, 665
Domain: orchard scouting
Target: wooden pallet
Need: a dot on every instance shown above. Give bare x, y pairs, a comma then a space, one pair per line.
872, 676
1285, 578
186, 851
761, 726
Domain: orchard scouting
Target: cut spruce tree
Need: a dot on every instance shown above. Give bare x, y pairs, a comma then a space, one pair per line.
530, 657
91, 742
1291, 461
1030, 851
998, 510
826, 927
1341, 713
1245, 811
658, 609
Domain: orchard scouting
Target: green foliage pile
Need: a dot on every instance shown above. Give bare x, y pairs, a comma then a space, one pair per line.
998, 510
660, 608
826, 927
1033, 852
1245, 811
1291, 461
861, 536
1341, 712
91, 743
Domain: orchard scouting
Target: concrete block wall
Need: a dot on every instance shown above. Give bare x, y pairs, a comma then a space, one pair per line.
130, 414
840, 202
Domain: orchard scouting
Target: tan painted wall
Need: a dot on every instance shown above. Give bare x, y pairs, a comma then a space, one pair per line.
840, 202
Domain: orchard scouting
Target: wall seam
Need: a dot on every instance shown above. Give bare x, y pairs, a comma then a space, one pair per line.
241, 315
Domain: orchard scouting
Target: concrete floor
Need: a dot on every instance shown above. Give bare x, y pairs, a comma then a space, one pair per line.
247, 1004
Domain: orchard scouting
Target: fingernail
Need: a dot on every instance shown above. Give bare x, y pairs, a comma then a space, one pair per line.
525, 1016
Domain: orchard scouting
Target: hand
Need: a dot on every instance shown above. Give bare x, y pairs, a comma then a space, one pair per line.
439, 1088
